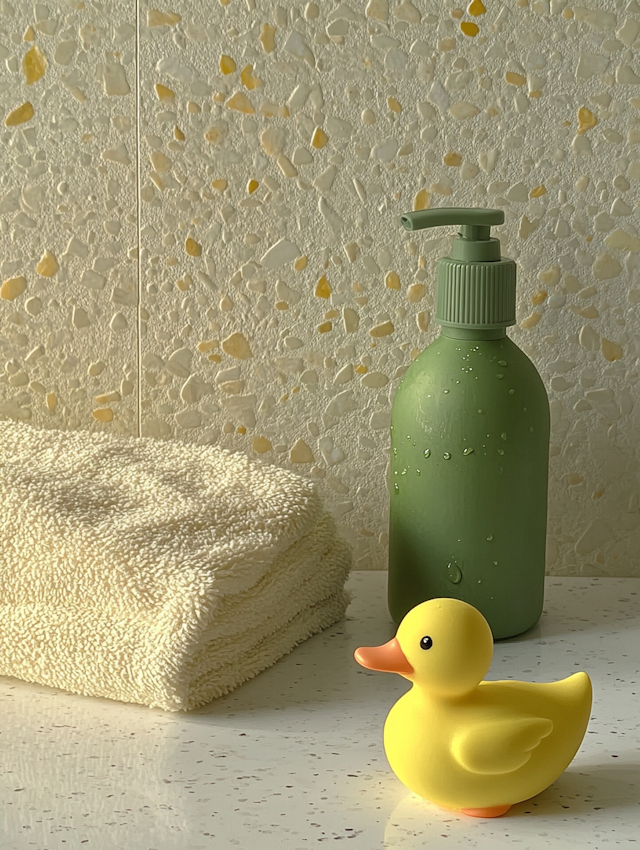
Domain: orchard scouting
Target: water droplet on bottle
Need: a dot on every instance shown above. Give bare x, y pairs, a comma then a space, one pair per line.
503, 436
480, 410
479, 581
495, 563
447, 455
499, 376
396, 488
453, 574
445, 391
404, 471
395, 472
408, 436
500, 451
511, 392
417, 472
467, 451
490, 537
427, 452
414, 444
502, 363
457, 382
395, 452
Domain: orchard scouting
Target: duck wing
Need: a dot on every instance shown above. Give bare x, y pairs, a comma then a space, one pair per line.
499, 746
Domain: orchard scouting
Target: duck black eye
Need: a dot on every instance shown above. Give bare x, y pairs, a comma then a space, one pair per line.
426, 642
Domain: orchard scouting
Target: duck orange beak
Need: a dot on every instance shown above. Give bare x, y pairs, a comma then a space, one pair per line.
388, 658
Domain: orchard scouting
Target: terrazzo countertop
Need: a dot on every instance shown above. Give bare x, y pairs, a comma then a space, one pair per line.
294, 758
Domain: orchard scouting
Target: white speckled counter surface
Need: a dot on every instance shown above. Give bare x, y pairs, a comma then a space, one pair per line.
294, 758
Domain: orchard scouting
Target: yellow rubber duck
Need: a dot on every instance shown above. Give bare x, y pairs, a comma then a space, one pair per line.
462, 743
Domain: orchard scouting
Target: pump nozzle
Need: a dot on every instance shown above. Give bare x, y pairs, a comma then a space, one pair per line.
475, 242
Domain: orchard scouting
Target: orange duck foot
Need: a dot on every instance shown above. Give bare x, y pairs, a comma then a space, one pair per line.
489, 812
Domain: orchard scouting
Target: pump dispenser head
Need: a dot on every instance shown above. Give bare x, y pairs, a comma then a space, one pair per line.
476, 285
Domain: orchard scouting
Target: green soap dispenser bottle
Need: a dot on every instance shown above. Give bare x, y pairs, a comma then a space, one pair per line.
470, 445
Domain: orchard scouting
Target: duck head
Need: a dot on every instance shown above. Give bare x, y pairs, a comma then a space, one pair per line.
444, 645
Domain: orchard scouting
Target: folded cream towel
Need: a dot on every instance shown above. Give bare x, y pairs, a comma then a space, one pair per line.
158, 573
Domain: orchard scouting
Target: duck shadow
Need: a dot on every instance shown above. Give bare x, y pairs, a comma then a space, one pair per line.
586, 789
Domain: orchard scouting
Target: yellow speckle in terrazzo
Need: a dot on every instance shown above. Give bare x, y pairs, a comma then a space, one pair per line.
586, 120
248, 80
241, 429
160, 162
267, 38
611, 350
423, 320
538, 191
227, 64
394, 105
237, 346
219, 185
538, 297
475, 8
261, 445
361, 369
48, 265
104, 414
241, 103
452, 158
192, 248
416, 292
107, 398
323, 288
392, 280
164, 93
469, 28
178, 134
301, 453
29, 34
215, 358
300, 263
550, 276
324, 327
34, 65
531, 321
383, 329
252, 185
515, 79
208, 345
421, 200
319, 138
51, 401
13, 287
20, 115
162, 19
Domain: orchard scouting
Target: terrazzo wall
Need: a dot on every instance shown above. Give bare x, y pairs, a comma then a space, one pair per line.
199, 230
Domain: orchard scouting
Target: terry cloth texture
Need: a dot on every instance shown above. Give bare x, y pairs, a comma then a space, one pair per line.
152, 572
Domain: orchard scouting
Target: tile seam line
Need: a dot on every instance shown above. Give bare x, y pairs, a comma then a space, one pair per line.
139, 228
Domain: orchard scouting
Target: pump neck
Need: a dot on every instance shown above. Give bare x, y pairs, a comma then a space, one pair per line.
473, 333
